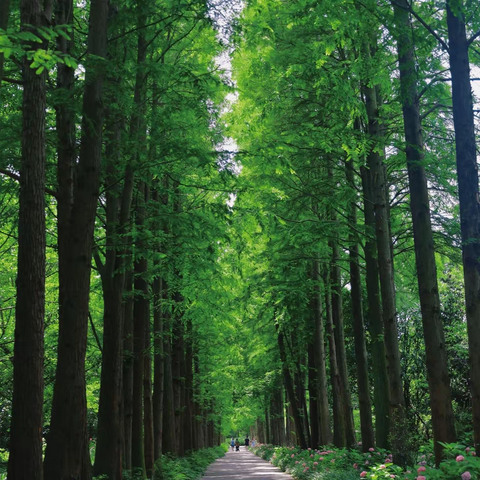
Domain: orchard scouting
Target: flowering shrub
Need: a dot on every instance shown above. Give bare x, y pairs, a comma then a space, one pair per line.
460, 463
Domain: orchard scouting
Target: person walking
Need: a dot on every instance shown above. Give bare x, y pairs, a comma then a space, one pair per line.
237, 445
247, 442
232, 444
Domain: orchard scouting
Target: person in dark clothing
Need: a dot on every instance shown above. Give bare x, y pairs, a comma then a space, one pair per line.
237, 445
247, 441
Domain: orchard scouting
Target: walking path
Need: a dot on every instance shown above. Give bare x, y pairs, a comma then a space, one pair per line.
243, 465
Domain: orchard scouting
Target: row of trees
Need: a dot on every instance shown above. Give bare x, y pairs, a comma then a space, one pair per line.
345, 119
116, 180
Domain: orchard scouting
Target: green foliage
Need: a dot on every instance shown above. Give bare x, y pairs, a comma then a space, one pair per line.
190, 467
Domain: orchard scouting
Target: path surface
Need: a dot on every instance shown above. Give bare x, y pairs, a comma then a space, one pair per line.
243, 465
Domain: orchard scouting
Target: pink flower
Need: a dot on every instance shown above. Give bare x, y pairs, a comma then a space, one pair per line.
460, 458
311, 456
382, 467
292, 455
421, 469
466, 476
315, 463
359, 444
474, 454
467, 450
421, 477
355, 466
387, 460
366, 462
371, 449
297, 462
363, 474
321, 458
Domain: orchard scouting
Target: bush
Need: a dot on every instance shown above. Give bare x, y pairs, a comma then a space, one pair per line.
190, 467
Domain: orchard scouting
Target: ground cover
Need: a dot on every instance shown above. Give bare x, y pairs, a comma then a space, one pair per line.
460, 463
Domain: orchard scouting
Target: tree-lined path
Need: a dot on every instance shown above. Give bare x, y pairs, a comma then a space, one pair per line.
236, 217
243, 465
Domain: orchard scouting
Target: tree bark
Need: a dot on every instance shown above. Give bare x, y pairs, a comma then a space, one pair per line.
467, 174
339, 436
337, 315
178, 367
128, 371
325, 431
313, 396
141, 316
437, 369
168, 445
385, 265
25, 459
158, 366
67, 454
366, 424
290, 391
381, 390
148, 403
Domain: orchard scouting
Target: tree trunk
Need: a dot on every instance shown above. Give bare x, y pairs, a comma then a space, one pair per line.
339, 437
385, 265
188, 415
178, 366
141, 316
148, 403
325, 431
337, 315
25, 459
128, 372
381, 391
467, 173
366, 424
168, 445
313, 396
158, 367
291, 393
436, 359
67, 454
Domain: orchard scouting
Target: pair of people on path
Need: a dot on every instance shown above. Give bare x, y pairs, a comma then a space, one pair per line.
236, 444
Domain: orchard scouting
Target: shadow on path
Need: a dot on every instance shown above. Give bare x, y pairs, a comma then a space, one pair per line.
243, 465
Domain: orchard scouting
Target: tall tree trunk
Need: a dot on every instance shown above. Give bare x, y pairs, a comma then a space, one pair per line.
385, 265
67, 454
158, 367
25, 459
339, 437
325, 431
148, 403
141, 316
366, 424
313, 396
178, 367
168, 445
381, 391
128, 371
291, 392
436, 359
188, 415
467, 173
337, 315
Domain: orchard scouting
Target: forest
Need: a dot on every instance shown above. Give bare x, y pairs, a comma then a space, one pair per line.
227, 217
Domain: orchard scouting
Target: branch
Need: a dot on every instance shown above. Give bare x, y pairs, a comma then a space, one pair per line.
12, 80
16, 177
95, 332
473, 38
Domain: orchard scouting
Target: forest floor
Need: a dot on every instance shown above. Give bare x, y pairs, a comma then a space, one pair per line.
243, 465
